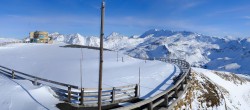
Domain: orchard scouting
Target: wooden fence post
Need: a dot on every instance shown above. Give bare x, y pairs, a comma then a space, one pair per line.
150, 106
13, 74
185, 80
182, 88
35, 81
175, 92
165, 103
69, 94
82, 96
136, 90
113, 95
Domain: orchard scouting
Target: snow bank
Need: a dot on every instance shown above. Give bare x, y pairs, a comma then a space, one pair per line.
22, 95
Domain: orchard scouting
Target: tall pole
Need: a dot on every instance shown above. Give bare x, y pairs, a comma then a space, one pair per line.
139, 81
81, 60
81, 72
101, 58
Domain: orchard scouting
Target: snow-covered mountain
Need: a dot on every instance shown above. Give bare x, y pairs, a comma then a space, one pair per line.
228, 53
114, 41
209, 89
199, 50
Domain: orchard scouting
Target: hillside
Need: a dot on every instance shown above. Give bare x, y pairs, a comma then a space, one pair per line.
224, 54
209, 89
216, 90
58, 63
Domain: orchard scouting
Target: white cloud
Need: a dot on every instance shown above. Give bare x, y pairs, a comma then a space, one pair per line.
229, 10
191, 4
246, 17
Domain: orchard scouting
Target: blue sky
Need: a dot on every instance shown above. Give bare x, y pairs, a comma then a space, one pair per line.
129, 17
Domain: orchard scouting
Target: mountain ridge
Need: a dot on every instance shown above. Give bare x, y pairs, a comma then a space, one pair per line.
227, 54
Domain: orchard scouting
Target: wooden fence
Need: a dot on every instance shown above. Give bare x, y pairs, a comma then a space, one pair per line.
168, 98
86, 97
12, 42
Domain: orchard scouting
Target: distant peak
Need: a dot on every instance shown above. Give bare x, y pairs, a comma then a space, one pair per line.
134, 36
162, 32
77, 35
114, 34
54, 33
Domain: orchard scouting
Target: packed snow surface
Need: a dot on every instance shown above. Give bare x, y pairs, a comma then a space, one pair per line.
51, 61
236, 91
23, 95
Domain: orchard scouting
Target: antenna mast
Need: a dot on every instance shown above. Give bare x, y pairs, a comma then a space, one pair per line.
101, 57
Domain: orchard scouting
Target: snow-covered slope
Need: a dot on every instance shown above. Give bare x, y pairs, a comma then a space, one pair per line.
23, 95
61, 64
114, 41
225, 54
54, 62
216, 90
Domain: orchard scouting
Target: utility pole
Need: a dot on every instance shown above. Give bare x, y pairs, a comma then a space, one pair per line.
101, 57
81, 60
139, 81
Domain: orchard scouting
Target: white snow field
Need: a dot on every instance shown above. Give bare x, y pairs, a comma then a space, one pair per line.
7, 40
61, 64
236, 92
23, 95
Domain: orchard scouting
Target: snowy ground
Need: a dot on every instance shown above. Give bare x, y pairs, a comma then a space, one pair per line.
23, 95
238, 96
216, 91
63, 65
7, 40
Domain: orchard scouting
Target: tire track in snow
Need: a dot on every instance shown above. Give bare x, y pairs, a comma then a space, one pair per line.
26, 92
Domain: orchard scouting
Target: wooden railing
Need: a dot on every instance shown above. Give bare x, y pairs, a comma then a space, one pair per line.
109, 95
166, 99
86, 97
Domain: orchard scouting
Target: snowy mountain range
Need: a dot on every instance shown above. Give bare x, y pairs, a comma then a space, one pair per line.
227, 54
208, 89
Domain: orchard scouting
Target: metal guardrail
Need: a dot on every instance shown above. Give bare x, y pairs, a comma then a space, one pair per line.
165, 99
